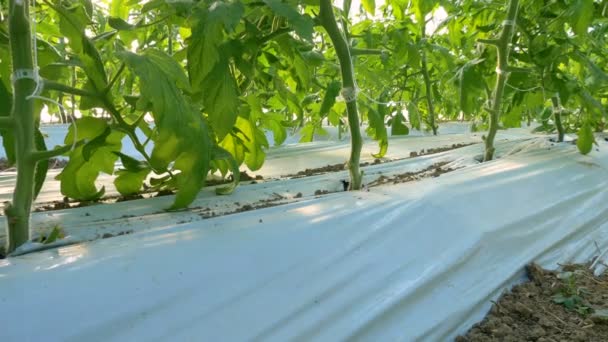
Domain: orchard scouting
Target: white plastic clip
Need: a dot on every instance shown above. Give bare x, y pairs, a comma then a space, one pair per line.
508, 22
21, 74
349, 94
501, 72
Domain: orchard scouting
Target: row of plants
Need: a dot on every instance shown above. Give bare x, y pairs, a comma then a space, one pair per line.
223, 73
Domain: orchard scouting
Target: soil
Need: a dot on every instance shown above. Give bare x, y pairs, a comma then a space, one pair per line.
330, 168
569, 305
428, 151
53, 164
342, 166
434, 170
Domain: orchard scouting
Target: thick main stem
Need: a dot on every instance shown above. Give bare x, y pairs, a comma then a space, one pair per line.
502, 69
328, 21
557, 115
427, 83
18, 212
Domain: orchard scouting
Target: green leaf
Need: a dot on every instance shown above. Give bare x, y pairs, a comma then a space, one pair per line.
119, 9
333, 90
72, 23
207, 35
272, 122
131, 164
307, 133
377, 131
87, 128
471, 86
313, 58
585, 138
422, 8
99, 141
8, 138
119, 24
53, 236
79, 175
254, 141
183, 136
130, 182
302, 23
398, 127
414, 115
369, 6
581, 15
42, 166
221, 154
221, 99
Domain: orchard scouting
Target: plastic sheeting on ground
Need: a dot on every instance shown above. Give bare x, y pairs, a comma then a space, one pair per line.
413, 261
89, 223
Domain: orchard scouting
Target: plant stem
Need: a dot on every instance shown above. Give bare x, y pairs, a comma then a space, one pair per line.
67, 89
328, 21
502, 69
427, 82
557, 115
6, 122
361, 52
22, 113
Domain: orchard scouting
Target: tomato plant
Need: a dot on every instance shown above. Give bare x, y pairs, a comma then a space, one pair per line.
203, 82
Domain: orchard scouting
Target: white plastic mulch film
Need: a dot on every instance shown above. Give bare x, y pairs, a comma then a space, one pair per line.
411, 261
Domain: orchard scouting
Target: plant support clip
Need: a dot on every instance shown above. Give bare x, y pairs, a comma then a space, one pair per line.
349, 94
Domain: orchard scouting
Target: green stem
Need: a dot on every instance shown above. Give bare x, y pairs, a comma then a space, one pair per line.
22, 113
51, 85
427, 83
502, 69
557, 115
328, 21
7, 122
361, 52
39, 156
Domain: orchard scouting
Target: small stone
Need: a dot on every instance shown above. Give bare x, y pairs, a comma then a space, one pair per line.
503, 330
546, 323
537, 332
523, 310
579, 335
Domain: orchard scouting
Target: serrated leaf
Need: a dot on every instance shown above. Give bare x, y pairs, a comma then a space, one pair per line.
207, 35
369, 6
220, 98
581, 15
183, 136
585, 138
302, 23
